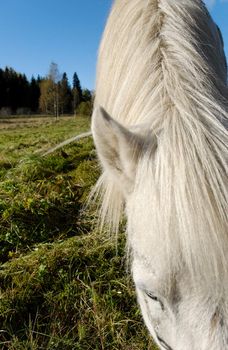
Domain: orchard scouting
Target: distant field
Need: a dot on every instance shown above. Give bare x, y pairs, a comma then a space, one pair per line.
21, 136
63, 284
15, 122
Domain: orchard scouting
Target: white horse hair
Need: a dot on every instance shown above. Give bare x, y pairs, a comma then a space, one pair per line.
161, 136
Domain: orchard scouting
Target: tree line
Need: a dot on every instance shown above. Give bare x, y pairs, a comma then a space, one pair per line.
52, 94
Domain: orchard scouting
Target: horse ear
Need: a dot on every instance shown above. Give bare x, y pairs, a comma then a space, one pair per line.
117, 147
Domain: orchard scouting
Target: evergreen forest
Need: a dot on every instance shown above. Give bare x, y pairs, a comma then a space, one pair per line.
49, 95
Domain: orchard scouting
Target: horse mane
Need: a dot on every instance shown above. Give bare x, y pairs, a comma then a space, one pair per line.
161, 64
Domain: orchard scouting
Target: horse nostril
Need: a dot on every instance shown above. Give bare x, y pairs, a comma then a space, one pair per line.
217, 320
221, 322
214, 320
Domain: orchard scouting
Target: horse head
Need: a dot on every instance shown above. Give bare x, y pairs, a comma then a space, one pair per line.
162, 143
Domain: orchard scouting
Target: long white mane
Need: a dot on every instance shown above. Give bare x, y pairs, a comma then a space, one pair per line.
161, 68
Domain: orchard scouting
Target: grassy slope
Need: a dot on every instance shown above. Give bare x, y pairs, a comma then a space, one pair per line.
62, 284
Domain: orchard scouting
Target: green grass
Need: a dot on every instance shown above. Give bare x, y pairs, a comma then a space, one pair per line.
20, 141
63, 285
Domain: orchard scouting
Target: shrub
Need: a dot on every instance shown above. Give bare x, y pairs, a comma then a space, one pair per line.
23, 111
5, 111
85, 108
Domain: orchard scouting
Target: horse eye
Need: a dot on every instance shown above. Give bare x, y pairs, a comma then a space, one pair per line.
154, 298
151, 296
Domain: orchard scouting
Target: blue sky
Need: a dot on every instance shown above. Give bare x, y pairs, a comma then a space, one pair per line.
219, 12
33, 33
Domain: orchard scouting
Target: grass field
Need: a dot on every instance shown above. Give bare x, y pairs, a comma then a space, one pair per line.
63, 284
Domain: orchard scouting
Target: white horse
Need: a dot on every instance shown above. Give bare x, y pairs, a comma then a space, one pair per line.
161, 136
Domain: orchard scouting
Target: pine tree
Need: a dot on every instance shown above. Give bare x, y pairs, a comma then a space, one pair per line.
76, 91
34, 94
87, 95
2, 88
14, 91
65, 96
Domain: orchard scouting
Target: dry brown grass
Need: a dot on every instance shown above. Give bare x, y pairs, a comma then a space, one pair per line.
15, 122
